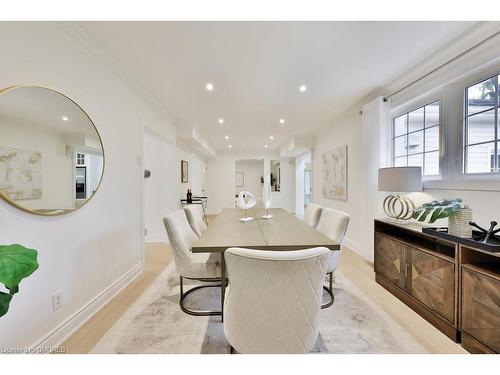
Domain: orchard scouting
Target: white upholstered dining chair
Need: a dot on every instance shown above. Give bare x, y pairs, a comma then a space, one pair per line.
273, 300
201, 267
195, 217
333, 224
312, 214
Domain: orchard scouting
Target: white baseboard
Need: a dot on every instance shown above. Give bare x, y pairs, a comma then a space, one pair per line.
156, 238
354, 246
58, 335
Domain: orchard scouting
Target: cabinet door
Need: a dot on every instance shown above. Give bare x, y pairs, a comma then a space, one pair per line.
481, 308
433, 283
390, 259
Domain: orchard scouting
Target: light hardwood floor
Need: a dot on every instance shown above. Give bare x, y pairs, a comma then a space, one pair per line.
358, 270
157, 256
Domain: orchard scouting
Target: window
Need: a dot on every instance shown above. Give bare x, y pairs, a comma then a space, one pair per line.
80, 159
415, 139
481, 133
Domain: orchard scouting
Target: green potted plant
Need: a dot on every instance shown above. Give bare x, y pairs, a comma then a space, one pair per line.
458, 216
16, 263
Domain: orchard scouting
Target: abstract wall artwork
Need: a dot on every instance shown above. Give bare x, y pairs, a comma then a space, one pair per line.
335, 173
20, 173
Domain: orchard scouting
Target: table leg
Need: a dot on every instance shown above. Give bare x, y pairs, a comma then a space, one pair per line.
223, 283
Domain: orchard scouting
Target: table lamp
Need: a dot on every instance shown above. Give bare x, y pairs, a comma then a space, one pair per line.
398, 180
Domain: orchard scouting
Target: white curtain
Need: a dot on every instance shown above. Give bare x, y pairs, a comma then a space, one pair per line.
376, 147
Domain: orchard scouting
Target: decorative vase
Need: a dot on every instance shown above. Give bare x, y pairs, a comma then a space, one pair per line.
458, 224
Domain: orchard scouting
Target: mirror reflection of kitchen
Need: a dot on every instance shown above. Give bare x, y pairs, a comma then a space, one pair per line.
51, 156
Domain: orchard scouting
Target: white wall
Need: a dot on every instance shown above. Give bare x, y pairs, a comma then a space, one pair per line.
160, 195
221, 178
196, 166
84, 252
252, 170
344, 131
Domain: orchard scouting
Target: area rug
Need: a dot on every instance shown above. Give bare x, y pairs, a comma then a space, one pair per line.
155, 324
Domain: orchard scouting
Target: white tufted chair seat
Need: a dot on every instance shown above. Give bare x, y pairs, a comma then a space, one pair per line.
194, 214
273, 301
182, 237
312, 214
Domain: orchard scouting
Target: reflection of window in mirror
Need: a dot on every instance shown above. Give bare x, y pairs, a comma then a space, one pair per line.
275, 175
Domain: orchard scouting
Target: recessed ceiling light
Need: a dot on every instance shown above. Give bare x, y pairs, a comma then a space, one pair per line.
230, 146
226, 137
265, 146
302, 88
209, 86
221, 120
282, 120
64, 118
271, 137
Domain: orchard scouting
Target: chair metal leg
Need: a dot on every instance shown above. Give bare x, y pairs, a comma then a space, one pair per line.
329, 290
223, 284
184, 295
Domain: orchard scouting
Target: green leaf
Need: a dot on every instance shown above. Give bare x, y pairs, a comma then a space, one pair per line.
425, 214
5, 299
16, 263
440, 209
435, 215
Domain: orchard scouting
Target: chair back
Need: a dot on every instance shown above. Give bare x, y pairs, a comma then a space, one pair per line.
273, 301
181, 238
334, 223
312, 214
194, 214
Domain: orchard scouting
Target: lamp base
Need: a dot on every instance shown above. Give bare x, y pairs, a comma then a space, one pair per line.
398, 208
245, 219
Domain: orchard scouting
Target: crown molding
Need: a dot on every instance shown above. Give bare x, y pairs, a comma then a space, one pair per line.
80, 35
472, 36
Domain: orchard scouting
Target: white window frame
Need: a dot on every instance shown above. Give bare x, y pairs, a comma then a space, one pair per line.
414, 105
496, 141
452, 120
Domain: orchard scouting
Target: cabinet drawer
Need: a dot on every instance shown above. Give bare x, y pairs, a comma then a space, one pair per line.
433, 283
390, 259
481, 308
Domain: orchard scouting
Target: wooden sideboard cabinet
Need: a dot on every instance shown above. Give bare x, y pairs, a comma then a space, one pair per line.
480, 300
420, 271
454, 286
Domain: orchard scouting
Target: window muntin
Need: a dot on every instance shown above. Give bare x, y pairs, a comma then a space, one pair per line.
416, 139
80, 159
481, 132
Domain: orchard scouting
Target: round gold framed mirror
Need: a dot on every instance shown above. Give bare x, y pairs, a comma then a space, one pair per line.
51, 154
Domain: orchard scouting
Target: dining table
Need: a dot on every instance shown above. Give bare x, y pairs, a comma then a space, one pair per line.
283, 232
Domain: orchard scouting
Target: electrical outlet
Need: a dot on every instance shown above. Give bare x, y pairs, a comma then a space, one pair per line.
57, 300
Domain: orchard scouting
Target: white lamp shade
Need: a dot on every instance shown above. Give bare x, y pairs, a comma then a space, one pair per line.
400, 179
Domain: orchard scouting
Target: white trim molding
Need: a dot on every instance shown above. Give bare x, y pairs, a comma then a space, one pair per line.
59, 334
151, 238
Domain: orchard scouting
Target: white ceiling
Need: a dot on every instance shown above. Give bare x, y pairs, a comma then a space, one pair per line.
257, 67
